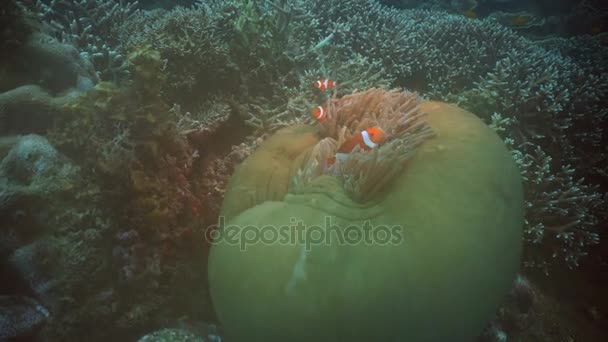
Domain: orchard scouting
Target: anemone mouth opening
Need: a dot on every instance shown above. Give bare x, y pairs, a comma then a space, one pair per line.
365, 174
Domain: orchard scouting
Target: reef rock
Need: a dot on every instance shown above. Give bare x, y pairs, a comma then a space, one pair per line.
39, 77
20, 316
32, 167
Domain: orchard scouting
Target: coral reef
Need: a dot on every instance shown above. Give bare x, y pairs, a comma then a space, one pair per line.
199, 332
39, 75
20, 317
163, 171
171, 335
534, 311
187, 41
28, 109
139, 162
550, 107
88, 26
561, 210
14, 27
57, 231
32, 167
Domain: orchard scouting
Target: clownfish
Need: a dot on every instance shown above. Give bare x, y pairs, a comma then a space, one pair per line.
325, 83
319, 113
368, 139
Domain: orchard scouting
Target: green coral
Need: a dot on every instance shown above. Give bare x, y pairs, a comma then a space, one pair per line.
187, 40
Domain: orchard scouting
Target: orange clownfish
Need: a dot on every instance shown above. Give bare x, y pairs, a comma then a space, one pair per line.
319, 113
325, 83
368, 139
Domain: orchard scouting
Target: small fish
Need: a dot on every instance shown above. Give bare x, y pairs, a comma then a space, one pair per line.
325, 83
470, 13
520, 20
367, 140
596, 28
319, 113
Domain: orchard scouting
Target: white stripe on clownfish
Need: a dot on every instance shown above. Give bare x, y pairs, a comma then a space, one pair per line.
367, 140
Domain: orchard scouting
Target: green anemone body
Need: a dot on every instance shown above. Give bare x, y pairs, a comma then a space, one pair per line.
458, 210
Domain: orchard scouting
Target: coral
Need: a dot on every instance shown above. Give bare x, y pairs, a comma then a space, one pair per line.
103, 127
292, 105
204, 121
171, 335
88, 25
188, 43
96, 127
276, 50
156, 148
27, 109
39, 76
65, 265
518, 313
33, 167
422, 49
44, 61
561, 210
548, 103
36, 264
162, 187
56, 231
202, 331
14, 27
20, 317
518, 20
213, 180
145, 156
546, 93
382, 38
258, 35
535, 311
551, 111
304, 285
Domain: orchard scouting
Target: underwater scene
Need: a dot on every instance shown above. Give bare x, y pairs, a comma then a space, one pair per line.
304, 170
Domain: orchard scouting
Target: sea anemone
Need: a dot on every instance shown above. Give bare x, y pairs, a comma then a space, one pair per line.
365, 174
403, 237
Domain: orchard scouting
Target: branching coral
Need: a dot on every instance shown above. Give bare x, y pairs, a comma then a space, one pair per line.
562, 211
293, 104
365, 174
259, 34
160, 145
88, 25
187, 40
549, 95
426, 50
552, 108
